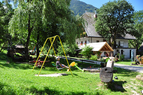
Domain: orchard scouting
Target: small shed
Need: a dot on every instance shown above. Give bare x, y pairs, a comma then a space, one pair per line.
19, 48
99, 46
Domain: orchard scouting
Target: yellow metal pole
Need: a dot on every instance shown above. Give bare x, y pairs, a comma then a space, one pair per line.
64, 53
40, 53
47, 55
50, 38
53, 48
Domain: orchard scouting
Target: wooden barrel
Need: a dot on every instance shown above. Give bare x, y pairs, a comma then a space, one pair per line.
106, 74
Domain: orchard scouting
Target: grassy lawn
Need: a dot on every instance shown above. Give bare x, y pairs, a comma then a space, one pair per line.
127, 62
19, 79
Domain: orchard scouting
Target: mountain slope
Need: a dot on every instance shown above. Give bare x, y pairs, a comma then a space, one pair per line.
78, 7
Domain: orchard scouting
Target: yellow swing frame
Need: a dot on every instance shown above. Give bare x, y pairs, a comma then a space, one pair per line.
52, 39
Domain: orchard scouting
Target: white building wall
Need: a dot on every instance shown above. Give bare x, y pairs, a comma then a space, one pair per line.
123, 43
126, 52
89, 40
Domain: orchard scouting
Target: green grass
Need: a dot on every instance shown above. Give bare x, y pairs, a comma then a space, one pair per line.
19, 79
127, 62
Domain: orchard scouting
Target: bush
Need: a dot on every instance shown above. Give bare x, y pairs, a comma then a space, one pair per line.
122, 57
94, 57
86, 51
107, 60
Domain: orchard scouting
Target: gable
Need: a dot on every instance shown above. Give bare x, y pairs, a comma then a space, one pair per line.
100, 46
91, 31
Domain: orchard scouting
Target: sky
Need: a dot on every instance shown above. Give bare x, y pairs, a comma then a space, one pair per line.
137, 4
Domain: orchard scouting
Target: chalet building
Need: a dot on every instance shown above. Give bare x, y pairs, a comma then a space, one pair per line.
91, 36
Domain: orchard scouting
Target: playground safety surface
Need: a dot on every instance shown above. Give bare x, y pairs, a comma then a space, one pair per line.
52, 75
91, 69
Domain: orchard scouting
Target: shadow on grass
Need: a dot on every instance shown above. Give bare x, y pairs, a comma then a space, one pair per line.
126, 73
16, 66
49, 91
6, 90
116, 86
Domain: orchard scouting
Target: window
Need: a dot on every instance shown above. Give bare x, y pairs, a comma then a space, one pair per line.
85, 42
121, 43
81, 43
122, 52
97, 40
104, 40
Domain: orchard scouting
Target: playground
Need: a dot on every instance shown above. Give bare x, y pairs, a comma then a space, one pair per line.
18, 78
41, 76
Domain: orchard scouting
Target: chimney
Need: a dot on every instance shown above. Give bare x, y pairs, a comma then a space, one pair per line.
95, 15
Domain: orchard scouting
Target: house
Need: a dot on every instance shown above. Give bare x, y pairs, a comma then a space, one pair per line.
91, 36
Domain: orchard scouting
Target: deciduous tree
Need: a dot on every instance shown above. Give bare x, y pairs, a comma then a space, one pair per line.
44, 18
113, 19
138, 25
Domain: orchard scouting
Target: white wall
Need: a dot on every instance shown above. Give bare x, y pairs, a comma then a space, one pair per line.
126, 52
125, 42
89, 40
122, 41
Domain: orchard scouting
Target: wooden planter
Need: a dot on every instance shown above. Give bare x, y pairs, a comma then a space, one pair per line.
106, 74
141, 62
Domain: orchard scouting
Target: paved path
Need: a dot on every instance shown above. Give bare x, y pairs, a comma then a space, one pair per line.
128, 67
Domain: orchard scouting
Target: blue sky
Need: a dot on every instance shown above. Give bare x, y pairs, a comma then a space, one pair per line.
137, 4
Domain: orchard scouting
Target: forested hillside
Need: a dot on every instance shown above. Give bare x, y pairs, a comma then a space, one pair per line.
78, 7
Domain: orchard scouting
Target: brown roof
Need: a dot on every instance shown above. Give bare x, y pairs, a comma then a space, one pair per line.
90, 27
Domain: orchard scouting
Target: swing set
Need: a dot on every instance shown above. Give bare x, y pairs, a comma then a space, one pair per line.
52, 40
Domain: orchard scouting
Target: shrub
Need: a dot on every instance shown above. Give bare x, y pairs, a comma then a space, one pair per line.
107, 60
94, 57
86, 51
122, 57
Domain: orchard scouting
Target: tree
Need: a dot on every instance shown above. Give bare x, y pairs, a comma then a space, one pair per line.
2, 13
69, 49
86, 51
114, 18
6, 13
138, 25
42, 19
